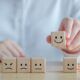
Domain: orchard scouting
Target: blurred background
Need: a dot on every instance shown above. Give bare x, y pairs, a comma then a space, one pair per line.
29, 22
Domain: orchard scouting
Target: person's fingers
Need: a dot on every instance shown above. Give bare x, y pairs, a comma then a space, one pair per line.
76, 49
71, 52
2, 54
75, 43
1, 58
75, 30
66, 25
18, 48
5, 50
61, 28
12, 50
49, 39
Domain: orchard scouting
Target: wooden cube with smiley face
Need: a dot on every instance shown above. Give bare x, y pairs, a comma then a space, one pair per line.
70, 64
23, 65
58, 39
9, 65
38, 65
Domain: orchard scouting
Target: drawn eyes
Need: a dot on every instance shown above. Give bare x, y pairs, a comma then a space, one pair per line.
7, 64
69, 64
61, 37
39, 65
22, 64
11, 63
57, 37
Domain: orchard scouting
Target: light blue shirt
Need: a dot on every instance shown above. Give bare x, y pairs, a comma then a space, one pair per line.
29, 22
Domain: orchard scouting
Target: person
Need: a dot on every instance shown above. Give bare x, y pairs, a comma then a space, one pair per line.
29, 22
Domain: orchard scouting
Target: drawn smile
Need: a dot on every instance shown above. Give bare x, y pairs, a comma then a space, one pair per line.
70, 68
58, 41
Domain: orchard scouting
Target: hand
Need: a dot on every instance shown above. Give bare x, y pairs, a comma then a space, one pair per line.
72, 28
9, 48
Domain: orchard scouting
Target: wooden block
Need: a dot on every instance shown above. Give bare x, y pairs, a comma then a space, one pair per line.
9, 65
70, 64
38, 65
23, 65
58, 39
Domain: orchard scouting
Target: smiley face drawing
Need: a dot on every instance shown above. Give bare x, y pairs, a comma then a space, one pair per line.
70, 65
23, 65
58, 39
9, 65
38, 65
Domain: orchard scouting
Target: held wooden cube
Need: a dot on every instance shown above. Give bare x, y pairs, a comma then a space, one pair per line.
9, 65
23, 65
70, 64
58, 39
38, 65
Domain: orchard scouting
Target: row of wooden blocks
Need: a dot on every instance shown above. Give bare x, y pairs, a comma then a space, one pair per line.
23, 64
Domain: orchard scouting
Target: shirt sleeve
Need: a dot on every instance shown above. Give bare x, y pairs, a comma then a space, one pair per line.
75, 12
7, 34
7, 20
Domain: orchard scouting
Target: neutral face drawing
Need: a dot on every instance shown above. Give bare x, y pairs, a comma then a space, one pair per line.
38, 65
